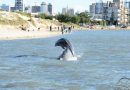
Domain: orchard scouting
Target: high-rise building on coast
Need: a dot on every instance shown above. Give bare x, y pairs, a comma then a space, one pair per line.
116, 1
44, 8
122, 12
36, 9
12, 9
68, 11
92, 9
97, 10
19, 5
50, 8
113, 12
64, 10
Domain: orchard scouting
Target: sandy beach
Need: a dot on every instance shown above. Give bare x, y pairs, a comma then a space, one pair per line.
11, 25
11, 33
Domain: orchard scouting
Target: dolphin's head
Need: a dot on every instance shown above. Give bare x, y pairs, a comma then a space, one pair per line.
65, 44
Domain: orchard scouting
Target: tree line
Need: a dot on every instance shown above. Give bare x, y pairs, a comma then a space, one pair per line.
78, 18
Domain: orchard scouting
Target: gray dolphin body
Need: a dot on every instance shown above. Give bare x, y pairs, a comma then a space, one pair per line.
68, 53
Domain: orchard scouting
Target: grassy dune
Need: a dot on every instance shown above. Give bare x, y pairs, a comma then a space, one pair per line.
17, 19
7, 18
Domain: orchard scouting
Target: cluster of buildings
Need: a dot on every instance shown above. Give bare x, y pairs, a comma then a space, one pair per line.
44, 8
68, 11
114, 13
20, 6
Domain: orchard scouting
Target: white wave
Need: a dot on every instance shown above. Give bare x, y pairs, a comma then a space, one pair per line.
72, 59
76, 58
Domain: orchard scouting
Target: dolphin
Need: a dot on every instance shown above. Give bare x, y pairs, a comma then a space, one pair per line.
68, 53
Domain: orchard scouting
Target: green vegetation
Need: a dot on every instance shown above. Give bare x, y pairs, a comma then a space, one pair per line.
84, 17
80, 18
67, 18
44, 16
16, 19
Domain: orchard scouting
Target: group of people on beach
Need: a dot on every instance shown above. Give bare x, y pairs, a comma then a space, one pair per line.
63, 29
23, 28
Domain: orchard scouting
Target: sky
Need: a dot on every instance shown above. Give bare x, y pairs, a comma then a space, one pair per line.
78, 5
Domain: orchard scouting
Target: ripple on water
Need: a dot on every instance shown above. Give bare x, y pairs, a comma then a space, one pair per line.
32, 64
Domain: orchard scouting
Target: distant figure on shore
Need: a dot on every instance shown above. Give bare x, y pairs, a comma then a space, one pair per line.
62, 30
58, 28
69, 29
23, 28
39, 29
50, 28
64, 27
73, 27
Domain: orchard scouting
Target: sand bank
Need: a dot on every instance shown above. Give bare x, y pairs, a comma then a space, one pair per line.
8, 34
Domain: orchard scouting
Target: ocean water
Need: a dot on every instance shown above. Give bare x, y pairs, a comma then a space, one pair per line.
31, 64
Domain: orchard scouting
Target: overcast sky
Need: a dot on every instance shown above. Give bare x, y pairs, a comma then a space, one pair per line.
78, 5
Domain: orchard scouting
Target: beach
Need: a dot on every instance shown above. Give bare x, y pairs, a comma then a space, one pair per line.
9, 33
13, 33
20, 26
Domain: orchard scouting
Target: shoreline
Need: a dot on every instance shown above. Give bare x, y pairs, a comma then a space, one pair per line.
14, 34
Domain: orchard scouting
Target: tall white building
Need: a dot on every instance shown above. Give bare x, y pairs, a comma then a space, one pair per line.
50, 8
68, 11
64, 10
36, 9
92, 9
123, 13
96, 10
113, 12
44, 8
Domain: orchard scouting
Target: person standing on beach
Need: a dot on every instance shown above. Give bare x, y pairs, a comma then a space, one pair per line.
50, 28
58, 28
69, 29
62, 30
64, 27
73, 27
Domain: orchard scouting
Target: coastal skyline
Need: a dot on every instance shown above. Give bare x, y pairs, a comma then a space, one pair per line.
58, 4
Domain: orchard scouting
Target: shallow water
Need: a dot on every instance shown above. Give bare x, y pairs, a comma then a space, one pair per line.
32, 65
